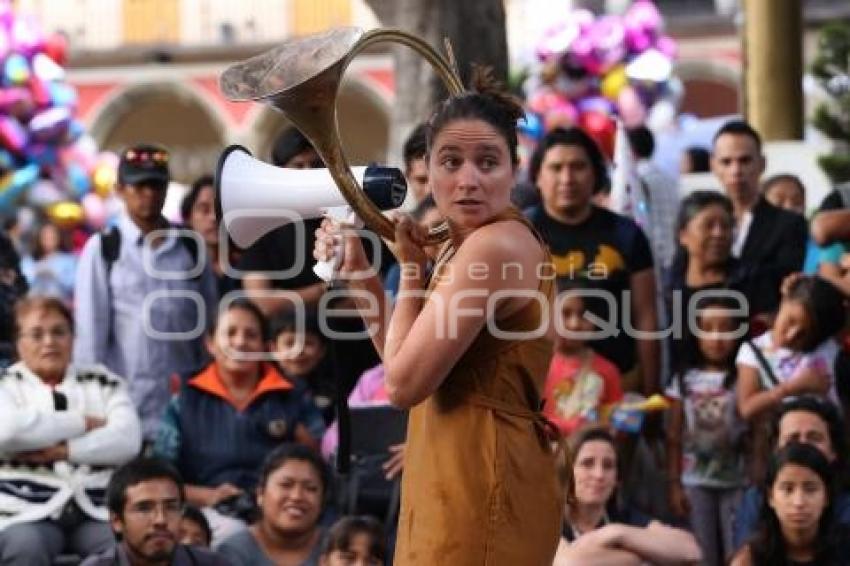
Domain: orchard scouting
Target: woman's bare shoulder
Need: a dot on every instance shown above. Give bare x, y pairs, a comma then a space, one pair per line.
506, 240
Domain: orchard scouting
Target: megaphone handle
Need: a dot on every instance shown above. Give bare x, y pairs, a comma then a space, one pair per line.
326, 270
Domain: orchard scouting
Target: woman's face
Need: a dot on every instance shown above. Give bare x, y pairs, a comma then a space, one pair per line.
595, 471
471, 173
44, 343
798, 497
566, 179
291, 499
358, 553
238, 333
707, 236
202, 216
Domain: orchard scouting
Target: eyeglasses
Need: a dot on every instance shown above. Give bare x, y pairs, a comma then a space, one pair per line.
149, 509
40, 334
152, 156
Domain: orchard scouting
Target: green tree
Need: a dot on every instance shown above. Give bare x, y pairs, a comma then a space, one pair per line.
831, 68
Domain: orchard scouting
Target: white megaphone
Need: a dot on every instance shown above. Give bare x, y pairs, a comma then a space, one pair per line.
252, 197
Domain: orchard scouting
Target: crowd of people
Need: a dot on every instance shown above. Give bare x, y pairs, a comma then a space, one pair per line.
168, 398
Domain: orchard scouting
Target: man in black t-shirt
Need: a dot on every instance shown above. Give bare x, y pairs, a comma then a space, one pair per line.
608, 251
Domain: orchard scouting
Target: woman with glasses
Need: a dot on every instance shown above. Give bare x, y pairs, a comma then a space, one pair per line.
63, 429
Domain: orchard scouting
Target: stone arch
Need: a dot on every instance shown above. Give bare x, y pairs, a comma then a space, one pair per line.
169, 113
711, 88
364, 115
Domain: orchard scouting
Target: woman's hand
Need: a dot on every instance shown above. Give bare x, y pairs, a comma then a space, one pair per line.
409, 241
330, 235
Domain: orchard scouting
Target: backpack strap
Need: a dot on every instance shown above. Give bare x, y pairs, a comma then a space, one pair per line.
110, 247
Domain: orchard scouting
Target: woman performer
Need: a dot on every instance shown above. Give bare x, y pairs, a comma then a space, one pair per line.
468, 350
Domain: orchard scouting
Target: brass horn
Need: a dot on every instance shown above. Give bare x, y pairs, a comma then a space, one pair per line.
301, 79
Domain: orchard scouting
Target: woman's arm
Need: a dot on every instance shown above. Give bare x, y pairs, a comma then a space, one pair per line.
657, 543
570, 555
119, 440
476, 287
752, 400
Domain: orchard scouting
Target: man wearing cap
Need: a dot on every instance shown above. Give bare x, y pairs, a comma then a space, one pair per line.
144, 292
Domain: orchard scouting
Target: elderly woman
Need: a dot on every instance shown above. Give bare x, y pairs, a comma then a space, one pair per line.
63, 429
227, 418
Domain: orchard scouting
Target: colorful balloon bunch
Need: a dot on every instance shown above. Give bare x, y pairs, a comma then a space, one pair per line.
592, 69
46, 158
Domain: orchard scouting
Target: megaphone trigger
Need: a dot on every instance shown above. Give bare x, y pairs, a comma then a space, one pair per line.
346, 217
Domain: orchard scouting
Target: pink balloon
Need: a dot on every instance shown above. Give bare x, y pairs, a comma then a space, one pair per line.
94, 210
12, 135
558, 38
643, 24
631, 108
602, 46
667, 46
542, 100
562, 115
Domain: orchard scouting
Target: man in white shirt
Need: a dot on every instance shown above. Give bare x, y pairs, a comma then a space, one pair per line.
144, 291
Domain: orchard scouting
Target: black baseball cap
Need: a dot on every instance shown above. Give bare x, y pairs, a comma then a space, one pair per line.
143, 162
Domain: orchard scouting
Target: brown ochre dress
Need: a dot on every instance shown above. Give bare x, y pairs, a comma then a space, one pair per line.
480, 484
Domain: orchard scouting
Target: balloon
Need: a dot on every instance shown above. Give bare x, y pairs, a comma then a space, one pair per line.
43, 193
558, 38
530, 126
667, 46
595, 104
602, 46
16, 69
78, 180
642, 24
613, 82
65, 214
40, 91
27, 38
16, 101
94, 210
42, 154
50, 124
561, 115
12, 135
631, 108
56, 47
661, 116
62, 94
46, 68
7, 161
651, 65
601, 128
13, 185
543, 99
